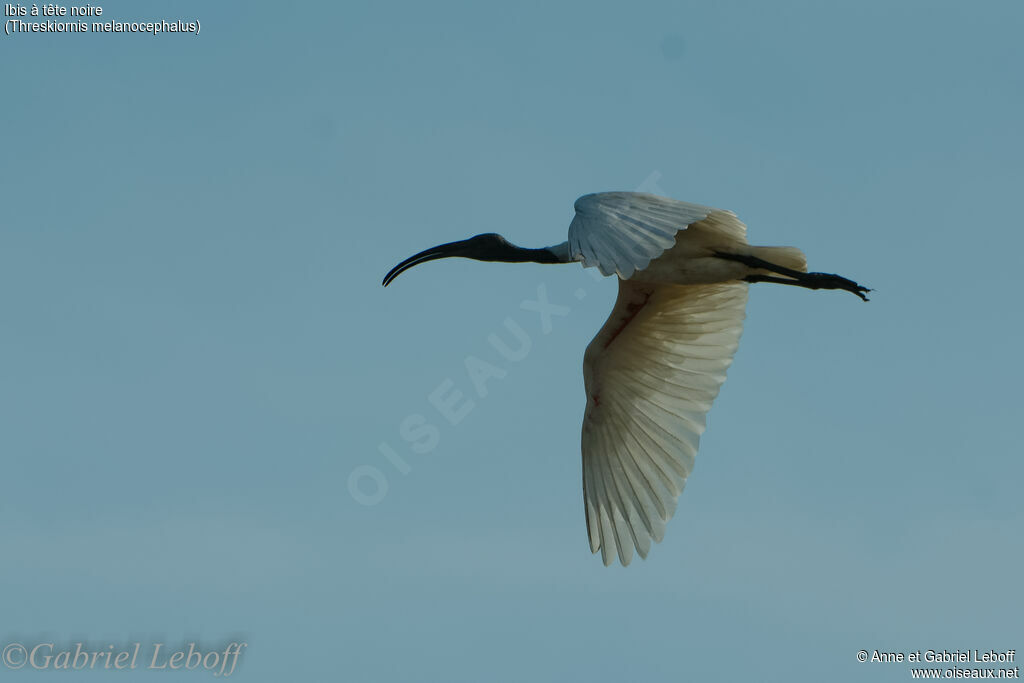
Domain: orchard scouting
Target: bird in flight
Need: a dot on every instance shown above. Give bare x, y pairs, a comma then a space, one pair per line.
658, 362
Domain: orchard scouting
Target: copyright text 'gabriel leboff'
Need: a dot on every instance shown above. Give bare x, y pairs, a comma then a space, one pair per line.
220, 661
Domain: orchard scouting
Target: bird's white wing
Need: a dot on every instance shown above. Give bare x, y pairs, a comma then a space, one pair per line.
622, 232
651, 374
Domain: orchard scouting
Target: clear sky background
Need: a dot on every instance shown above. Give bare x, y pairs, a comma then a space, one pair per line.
196, 352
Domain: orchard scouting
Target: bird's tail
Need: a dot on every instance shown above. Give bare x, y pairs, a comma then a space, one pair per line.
787, 257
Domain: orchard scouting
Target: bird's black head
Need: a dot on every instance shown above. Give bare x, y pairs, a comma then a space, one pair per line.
487, 238
489, 246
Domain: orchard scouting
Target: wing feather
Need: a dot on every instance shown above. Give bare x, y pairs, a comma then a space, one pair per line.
622, 232
651, 375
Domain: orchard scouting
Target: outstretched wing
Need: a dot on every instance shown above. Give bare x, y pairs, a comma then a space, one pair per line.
622, 232
651, 374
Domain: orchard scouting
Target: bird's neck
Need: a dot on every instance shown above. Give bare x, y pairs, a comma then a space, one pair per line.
511, 253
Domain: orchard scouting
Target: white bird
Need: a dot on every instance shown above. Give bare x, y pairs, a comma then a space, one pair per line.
656, 365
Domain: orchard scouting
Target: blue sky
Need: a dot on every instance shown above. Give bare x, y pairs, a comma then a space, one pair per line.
196, 351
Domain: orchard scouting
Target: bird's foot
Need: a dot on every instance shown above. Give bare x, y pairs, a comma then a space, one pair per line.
832, 281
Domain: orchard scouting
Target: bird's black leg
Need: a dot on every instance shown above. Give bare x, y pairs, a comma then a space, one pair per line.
795, 277
814, 281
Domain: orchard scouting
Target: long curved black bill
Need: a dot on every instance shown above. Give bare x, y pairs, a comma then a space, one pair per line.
440, 251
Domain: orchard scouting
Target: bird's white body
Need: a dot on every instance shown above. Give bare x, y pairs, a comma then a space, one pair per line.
692, 261
654, 368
